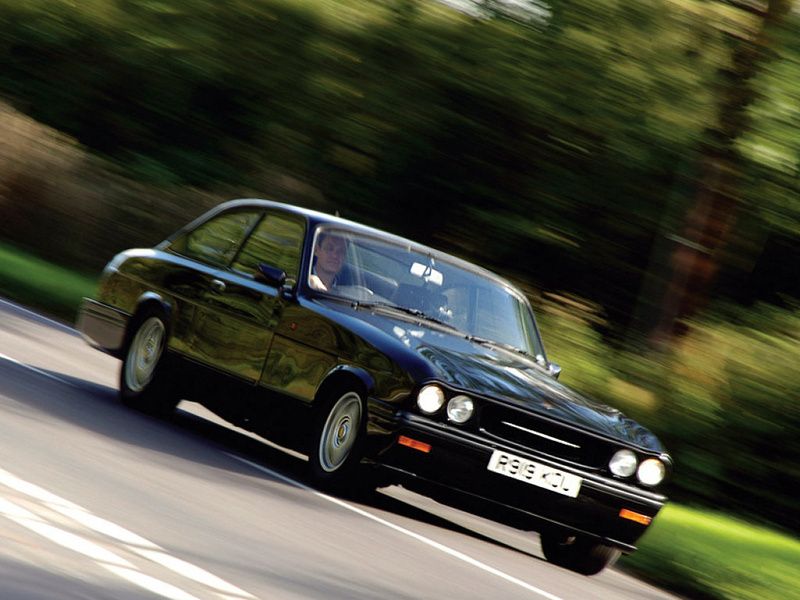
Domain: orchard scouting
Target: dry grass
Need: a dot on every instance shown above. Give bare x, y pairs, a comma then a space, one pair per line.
62, 203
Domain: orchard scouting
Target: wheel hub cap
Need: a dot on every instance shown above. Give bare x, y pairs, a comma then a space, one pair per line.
143, 355
340, 432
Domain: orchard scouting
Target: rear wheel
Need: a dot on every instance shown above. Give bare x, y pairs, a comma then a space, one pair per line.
577, 553
145, 382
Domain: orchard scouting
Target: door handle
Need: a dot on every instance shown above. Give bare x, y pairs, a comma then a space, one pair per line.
217, 285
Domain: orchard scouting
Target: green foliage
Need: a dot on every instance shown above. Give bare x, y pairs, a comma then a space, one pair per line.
772, 144
762, 414
724, 402
705, 554
569, 327
31, 280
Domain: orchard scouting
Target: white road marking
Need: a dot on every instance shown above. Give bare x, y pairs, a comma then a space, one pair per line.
102, 526
34, 369
190, 571
420, 538
34, 491
133, 542
105, 558
63, 538
150, 583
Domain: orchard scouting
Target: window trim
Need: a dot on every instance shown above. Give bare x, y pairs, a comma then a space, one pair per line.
265, 215
258, 211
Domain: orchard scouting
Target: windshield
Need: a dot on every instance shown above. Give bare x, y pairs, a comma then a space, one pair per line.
374, 271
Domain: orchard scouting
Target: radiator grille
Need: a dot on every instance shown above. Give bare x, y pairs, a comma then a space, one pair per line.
531, 432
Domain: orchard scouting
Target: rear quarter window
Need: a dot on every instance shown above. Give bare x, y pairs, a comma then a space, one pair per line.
216, 242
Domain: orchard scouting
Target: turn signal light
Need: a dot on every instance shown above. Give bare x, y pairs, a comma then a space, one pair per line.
415, 444
634, 516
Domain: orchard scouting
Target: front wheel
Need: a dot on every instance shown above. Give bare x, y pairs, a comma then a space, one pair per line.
576, 553
144, 379
335, 447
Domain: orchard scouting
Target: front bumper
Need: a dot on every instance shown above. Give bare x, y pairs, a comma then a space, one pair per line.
102, 326
456, 467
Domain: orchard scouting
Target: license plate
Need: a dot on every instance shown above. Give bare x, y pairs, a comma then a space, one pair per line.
537, 474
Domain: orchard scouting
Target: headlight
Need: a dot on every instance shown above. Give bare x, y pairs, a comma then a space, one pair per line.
623, 463
460, 409
430, 399
651, 472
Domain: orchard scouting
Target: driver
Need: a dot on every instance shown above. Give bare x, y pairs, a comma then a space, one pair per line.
329, 254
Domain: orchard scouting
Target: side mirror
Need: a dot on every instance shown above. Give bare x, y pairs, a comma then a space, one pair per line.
270, 275
554, 369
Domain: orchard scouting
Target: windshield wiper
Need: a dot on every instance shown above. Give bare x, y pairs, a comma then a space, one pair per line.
487, 342
404, 309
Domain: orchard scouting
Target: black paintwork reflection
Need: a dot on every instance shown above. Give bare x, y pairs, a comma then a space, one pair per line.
311, 341
296, 369
229, 331
234, 328
494, 372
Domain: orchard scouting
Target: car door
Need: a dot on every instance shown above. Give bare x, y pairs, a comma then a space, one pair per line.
205, 253
237, 314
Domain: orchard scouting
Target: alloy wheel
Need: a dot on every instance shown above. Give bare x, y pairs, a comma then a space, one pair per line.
144, 353
340, 431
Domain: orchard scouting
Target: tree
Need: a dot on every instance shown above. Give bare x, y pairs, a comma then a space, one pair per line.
710, 220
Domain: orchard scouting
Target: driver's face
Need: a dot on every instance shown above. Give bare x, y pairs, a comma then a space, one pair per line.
330, 254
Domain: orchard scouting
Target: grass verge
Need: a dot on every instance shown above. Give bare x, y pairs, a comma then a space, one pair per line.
706, 554
40, 284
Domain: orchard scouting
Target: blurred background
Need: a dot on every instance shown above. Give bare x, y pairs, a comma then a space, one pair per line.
632, 165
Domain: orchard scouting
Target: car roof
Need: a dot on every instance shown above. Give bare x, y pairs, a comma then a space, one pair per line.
317, 218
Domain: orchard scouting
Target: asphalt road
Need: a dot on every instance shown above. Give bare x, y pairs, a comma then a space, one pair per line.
100, 502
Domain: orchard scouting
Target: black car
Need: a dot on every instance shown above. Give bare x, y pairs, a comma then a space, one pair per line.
375, 355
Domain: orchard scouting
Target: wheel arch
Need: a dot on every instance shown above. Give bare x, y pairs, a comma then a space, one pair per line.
342, 473
153, 301
146, 303
345, 376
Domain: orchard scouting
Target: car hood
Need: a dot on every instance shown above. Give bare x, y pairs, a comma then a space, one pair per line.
504, 375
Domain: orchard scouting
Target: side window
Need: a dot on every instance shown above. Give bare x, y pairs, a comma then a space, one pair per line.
216, 241
276, 241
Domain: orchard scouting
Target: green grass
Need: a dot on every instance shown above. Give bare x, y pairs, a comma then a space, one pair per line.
705, 554
40, 284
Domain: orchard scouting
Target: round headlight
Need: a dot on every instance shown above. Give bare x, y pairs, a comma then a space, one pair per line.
430, 399
460, 409
651, 472
623, 463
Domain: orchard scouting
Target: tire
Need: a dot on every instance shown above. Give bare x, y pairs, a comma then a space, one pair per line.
336, 444
144, 380
576, 553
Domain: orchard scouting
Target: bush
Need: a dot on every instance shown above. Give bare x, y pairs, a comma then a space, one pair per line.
64, 204
724, 401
